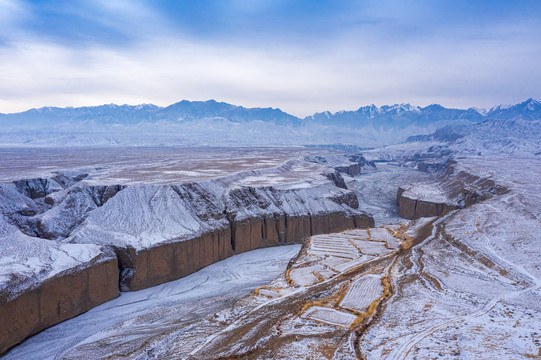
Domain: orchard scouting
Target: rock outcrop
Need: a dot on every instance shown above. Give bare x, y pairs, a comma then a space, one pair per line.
62, 297
45, 282
165, 262
358, 163
452, 190
161, 233
413, 205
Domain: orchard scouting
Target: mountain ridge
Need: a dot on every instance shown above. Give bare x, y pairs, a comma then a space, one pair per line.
206, 123
213, 108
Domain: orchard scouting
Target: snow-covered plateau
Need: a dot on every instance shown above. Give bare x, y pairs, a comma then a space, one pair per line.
431, 251
65, 233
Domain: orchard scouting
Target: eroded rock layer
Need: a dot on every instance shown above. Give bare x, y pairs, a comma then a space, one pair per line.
173, 260
455, 190
62, 297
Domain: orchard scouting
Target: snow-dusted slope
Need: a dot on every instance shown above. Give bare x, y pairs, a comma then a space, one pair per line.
472, 290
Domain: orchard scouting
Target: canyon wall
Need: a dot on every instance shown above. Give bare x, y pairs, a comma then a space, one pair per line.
57, 299
412, 207
454, 189
173, 260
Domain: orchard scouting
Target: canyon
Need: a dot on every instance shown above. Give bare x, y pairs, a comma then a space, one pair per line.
393, 252
73, 240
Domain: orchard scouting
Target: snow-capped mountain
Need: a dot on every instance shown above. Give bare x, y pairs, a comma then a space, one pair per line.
205, 123
527, 110
401, 116
514, 136
196, 110
131, 115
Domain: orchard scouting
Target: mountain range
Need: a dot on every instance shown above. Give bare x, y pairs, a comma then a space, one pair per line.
204, 123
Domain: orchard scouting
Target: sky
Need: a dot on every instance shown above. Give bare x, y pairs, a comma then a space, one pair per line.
303, 56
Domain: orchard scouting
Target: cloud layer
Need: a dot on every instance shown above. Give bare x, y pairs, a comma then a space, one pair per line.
301, 56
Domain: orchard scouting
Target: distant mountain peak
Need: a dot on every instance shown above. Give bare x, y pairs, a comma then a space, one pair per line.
531, 104
482, 111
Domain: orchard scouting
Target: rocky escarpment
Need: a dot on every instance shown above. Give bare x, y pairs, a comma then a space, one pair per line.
161, 233
454, 189
422, 200
354, 166
358, 163
172, 260
57, 299
44, 282
51, 208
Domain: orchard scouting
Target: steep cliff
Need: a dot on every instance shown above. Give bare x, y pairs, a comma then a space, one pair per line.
454, 189
44, 282
163, 232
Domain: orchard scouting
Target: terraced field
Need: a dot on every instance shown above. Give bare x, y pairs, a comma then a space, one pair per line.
330, 316
363, 292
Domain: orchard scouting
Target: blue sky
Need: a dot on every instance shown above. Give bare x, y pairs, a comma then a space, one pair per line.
301, 56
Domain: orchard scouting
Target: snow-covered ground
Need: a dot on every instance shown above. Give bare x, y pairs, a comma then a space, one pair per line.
144, 165
472, 290
198, 295
376, 190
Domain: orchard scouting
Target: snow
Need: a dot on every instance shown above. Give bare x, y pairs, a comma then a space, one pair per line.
167, 197
26, 261
31, 260
333, 244
305, 275
330, 316
375, 248
147, 215
381, 234
429, 192
205, 292
472, 289
376, 190
362, 293
269, 293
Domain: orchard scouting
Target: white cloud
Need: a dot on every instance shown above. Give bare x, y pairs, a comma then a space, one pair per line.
353, 71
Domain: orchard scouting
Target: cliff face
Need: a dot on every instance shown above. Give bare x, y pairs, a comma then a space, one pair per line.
44, 282
161, 233
453, 190
413, 206
173, 260
57, 299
